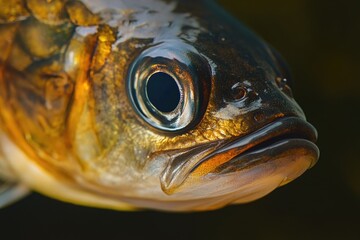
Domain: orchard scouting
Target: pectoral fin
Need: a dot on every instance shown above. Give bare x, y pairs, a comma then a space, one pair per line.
11, 192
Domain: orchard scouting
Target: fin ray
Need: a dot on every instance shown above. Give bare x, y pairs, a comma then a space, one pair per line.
11, 192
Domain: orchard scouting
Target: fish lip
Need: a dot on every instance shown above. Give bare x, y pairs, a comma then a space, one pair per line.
282, 129
286, 129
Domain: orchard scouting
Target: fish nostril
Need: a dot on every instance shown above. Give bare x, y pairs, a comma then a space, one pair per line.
281, 82
238, 92
259, 117
283, 85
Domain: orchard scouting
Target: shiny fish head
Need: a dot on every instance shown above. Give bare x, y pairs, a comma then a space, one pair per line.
169, 105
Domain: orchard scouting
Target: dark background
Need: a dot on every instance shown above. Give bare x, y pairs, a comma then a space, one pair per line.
320, 40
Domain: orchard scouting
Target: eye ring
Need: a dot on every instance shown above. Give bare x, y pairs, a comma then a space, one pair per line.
191, 75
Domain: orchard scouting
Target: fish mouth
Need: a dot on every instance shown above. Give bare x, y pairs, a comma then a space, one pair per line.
287, 144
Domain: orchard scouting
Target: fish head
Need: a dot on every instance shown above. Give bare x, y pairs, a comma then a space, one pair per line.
207, 118
176, 106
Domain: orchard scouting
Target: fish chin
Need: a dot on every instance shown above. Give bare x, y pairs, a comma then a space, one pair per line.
244, 178
250, 176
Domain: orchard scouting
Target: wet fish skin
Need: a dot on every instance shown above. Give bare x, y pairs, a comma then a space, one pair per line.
70, 111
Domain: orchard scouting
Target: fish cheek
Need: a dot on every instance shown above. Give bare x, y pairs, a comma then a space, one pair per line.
94, 122
104, 126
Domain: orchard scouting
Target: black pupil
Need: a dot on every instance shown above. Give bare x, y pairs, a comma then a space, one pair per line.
163, 92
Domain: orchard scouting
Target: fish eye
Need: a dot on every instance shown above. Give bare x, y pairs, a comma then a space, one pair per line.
168, 86
163, 92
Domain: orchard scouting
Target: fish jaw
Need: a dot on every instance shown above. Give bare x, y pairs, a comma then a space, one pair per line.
243, 178
246, 168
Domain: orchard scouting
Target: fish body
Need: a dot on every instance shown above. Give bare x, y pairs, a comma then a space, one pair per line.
124, 104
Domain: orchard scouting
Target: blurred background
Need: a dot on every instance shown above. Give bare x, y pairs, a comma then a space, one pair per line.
320, 40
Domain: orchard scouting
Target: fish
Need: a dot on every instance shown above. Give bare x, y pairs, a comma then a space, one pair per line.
166, 105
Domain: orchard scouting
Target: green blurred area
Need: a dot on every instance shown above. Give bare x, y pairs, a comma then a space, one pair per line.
320, 41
